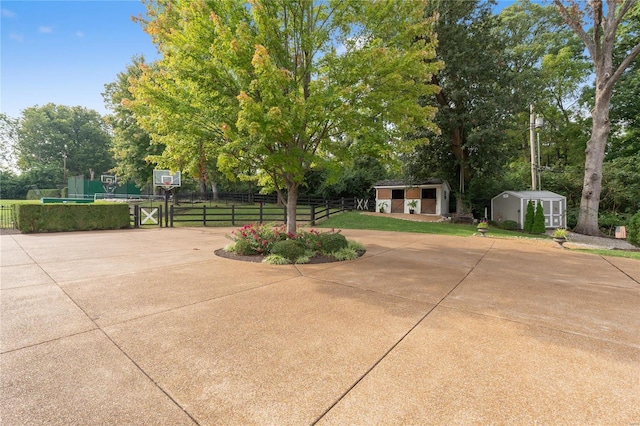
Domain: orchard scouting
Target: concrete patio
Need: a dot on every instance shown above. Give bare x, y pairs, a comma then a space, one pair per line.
150, 327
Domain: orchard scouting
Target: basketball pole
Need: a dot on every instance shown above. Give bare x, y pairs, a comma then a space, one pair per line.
166, 207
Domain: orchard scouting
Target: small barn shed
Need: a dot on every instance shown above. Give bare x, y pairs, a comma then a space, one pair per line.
512, 205
429, 197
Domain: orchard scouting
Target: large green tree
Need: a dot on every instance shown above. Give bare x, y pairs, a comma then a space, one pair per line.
475, 99
131, 145
74, 139
288, 83
597, 24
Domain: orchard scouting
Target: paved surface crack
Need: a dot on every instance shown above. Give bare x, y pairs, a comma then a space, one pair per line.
400, 340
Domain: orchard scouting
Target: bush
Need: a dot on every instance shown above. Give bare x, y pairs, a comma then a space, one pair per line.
509, 225
71, 217
529, 217
332, 242
538, 222
345, 254
633, 230
289, 249
244, 248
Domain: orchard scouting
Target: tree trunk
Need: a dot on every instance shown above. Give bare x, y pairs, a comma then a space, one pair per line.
203, 189
292, 204
214, 191
592, 184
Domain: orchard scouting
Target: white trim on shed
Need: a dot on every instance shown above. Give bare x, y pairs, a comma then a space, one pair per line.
512, 205
430, 197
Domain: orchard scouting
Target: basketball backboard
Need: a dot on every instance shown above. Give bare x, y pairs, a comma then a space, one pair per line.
166, 179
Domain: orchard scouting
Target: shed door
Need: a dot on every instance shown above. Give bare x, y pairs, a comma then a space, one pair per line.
429, 201
397, 201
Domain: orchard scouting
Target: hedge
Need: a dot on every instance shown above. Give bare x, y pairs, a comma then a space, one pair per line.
71, 217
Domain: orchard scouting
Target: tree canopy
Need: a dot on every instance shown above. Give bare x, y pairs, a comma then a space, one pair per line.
72, 139
279, 87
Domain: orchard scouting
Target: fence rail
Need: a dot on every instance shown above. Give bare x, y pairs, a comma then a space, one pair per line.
240, 214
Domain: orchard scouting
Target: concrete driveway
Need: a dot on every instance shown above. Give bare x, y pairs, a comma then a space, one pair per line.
149, 327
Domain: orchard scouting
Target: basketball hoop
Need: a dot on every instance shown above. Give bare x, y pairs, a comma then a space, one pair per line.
165, 179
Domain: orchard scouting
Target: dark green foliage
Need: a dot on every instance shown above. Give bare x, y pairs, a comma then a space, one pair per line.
529, 218
633, 230
332, 242
289, 249
538, 223
71, 217
510, 225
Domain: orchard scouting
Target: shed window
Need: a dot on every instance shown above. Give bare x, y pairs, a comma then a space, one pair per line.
397, 194
429, 193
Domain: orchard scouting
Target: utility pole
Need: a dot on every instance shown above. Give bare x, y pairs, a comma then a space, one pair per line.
532, 142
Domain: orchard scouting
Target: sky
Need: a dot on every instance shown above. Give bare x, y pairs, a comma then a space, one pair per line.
66, 51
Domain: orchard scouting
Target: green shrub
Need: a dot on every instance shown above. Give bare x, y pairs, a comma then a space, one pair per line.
332, 242
633, 230
345, 253
529, 217
509, 225
71, 217
538, 222
276, 259
244, 248
289, 249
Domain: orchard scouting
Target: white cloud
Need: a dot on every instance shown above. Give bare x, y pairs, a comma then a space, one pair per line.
80, 34
16, 37
45, 30
6, 13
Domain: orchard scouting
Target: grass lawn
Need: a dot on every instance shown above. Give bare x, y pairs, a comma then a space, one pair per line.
355, 220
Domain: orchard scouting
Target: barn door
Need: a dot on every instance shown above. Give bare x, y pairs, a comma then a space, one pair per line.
397, 201
429, 202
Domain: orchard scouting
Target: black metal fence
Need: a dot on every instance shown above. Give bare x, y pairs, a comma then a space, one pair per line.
256, 211
7, 217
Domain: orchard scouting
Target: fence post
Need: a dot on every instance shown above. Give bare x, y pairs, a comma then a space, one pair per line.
313, 216
233, 215
160, 215
204, 215
171, 214
261, 217
342, 203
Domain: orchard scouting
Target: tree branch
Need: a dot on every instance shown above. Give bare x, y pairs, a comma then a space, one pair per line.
577, 28
623, 66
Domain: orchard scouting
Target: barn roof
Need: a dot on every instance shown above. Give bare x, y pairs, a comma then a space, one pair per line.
392, 182
532, 194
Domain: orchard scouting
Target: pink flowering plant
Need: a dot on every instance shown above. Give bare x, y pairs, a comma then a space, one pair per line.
260, 239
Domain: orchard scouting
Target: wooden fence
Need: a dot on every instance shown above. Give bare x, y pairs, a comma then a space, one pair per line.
240, 214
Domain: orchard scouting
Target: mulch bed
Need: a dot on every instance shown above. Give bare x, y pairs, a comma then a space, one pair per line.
319, 258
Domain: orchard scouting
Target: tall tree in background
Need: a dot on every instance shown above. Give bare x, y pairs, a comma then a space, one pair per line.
601, 43
131, 145
72, 139
8, 136
476, 96
287, 83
